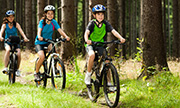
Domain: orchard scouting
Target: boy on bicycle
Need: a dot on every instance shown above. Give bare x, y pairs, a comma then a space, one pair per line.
97, 31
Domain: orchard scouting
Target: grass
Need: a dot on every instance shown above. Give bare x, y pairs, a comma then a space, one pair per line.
161, 91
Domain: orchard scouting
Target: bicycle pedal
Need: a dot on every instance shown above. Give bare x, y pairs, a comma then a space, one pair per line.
38, 82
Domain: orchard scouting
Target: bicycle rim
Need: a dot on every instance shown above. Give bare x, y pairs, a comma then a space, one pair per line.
11, 72
12, 69
112, 92
58, 74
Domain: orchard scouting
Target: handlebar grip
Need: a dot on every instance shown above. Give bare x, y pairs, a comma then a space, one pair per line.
64, 39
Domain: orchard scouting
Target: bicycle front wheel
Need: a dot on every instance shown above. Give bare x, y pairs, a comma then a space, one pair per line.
12, 69
111, 86
58, 73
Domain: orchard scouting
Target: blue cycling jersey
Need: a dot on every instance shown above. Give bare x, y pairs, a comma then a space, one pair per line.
10, 32
47, 31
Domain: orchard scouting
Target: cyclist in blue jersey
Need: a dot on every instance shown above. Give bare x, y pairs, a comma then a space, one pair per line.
10, 26
46, 27
97, 31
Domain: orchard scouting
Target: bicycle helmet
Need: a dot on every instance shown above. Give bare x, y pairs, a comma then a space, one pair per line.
98, 8
10, 12
49, 8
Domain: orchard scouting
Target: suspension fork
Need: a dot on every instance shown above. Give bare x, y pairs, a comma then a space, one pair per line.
53, 62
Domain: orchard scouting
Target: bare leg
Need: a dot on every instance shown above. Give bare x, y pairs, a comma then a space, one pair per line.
40, 60
90, 60
7, 54
19, 57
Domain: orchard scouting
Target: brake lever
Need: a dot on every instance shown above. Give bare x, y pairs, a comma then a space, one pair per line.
63, 40
117, 42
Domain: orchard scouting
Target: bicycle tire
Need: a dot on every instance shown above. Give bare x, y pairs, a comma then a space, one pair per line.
111, 97
44, 75
12, 69
58, 74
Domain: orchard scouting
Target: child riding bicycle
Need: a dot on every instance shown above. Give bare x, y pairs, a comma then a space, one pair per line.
46, 28
10, 27
97, 31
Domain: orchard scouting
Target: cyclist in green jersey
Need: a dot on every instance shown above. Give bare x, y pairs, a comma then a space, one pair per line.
97, 31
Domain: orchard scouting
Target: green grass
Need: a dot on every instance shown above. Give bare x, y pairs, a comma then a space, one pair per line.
161, 91
28, 96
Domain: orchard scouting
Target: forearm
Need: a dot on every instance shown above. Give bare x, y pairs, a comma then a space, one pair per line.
86, 35
39, 32
116, 34
61, 32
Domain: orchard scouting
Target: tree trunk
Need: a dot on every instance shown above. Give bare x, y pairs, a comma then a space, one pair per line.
34, 20
40, 9
10, 4
2, 13
175, 29
68, 25
154, 55
28, 21
112, 18
122, 24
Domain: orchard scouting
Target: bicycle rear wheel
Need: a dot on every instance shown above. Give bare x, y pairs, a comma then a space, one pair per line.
111, 86
58, 73
12, 69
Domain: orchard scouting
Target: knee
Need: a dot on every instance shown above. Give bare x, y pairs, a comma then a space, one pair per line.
41, 56
8, 51
19, 53
92, 56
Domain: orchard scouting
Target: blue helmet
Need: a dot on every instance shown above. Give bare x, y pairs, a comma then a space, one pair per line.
10, 12
98, 8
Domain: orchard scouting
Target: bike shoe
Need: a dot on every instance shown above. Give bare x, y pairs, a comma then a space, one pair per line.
18, 74
112, 89
37, 76
5, 71
88, 78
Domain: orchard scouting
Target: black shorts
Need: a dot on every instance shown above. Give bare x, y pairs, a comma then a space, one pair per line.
99, 49
41, 47
17, 45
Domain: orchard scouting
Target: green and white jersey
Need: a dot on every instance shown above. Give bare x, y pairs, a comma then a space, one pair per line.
99, 34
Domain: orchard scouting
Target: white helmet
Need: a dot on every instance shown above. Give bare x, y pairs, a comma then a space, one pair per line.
49, 8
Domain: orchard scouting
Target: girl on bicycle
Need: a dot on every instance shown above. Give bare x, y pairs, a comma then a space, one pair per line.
45, 30
97, 31
10, 26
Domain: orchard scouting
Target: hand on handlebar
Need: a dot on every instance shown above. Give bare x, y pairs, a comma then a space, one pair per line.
40, 38
89, 42
1, 39
68, 38
26, 40
122, 40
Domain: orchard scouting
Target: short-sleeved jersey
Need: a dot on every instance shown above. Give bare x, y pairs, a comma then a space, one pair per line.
99, 34
10, 32
47, 31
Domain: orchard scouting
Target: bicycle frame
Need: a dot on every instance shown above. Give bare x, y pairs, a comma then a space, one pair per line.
51, 53
105, 62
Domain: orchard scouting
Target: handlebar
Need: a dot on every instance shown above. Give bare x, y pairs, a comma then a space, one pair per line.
9, 40
54, 41
105, 43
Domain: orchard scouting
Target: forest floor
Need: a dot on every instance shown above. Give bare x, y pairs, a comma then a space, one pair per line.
128, 70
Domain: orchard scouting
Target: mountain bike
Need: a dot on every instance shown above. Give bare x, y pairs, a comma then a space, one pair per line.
13, 58
106, 75
56, 70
